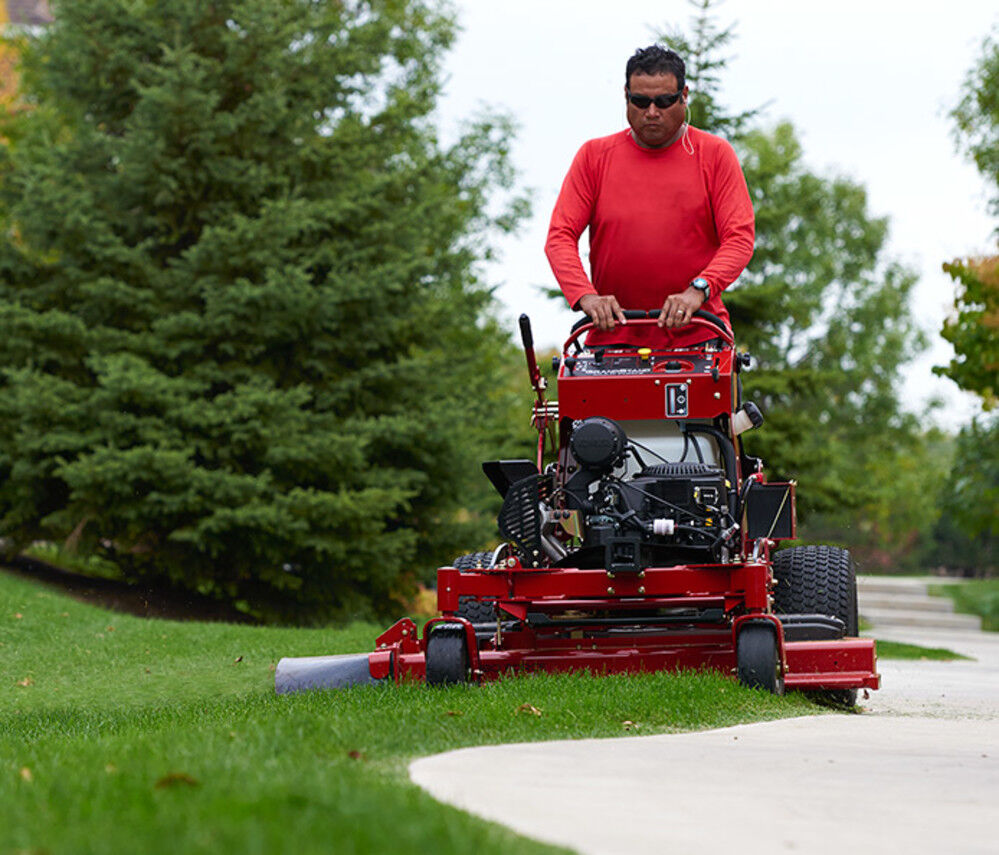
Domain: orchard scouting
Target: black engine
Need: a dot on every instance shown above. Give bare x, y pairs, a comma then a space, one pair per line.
617, 511
667, 513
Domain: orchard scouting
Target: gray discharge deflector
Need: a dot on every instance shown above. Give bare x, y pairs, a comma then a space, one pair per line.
297, 674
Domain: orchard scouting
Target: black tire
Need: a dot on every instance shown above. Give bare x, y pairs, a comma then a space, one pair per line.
819, 580
756, 658
473, 609
447, 657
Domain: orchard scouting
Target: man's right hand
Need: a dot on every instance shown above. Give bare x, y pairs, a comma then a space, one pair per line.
603, 310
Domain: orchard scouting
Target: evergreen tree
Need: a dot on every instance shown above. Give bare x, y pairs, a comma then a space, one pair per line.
243, 326
702, 52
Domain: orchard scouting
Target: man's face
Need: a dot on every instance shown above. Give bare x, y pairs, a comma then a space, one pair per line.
654, 127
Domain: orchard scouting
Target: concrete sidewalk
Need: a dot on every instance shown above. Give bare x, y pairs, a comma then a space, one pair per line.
917, 772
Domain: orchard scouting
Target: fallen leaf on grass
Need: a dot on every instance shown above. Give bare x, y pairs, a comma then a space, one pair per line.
175, 779
64, 614
528, 708
110, 629
110, 768
356, 755
18, 616
630, 725
26, 775
237, 660
271, 667
455, 712
27, 681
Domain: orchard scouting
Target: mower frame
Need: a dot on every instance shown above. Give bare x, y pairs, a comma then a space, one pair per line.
551, 616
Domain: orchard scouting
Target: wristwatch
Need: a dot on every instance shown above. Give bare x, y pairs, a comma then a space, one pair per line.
701, 284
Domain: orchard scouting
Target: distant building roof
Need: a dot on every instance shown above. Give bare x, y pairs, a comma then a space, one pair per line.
28, 11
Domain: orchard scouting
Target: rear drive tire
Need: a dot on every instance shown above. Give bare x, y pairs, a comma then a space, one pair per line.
756, 658
473, 609
819, 580
447, 657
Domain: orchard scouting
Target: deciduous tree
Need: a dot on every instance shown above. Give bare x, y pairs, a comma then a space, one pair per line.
970, 501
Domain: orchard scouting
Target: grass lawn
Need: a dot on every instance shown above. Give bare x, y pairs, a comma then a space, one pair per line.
901, 650
975, 597
125, 735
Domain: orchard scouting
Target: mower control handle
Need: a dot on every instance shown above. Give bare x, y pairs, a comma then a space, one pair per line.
653, 314
525, 332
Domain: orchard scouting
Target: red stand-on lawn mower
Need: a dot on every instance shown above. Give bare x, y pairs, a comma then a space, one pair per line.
645, 544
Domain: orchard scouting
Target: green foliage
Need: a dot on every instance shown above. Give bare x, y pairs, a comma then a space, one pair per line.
238, 287
976, 117
895, 525
974, 331
978, 597
968, 531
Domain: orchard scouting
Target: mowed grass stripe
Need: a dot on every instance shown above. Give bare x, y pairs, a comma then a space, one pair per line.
152, 737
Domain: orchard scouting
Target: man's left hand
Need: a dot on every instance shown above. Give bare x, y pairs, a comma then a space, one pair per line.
678, 308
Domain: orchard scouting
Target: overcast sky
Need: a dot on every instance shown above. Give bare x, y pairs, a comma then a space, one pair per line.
866, 84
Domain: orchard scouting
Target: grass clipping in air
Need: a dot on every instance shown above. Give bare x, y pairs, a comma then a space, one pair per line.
121, 734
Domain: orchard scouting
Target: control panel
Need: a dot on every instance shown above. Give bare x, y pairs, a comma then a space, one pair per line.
646, 384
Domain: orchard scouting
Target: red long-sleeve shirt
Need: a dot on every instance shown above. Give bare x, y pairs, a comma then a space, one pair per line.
658, 218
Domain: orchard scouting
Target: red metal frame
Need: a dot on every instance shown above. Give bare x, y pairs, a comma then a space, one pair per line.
562, 641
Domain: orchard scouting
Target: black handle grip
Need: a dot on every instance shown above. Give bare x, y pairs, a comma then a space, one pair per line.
630, 314
525, 332
639, 314
710, 316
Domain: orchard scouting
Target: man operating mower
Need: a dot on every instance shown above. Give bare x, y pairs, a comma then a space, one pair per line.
670, 218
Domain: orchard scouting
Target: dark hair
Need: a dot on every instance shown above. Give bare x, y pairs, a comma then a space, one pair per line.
656, 59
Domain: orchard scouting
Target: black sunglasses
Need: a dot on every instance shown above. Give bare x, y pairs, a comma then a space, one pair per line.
661, 101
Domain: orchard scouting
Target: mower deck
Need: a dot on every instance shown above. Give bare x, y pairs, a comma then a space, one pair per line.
569, 619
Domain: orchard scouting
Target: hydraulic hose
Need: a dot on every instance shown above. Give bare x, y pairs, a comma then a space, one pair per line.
728, 454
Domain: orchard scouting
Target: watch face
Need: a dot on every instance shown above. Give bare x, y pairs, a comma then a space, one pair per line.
701, 285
